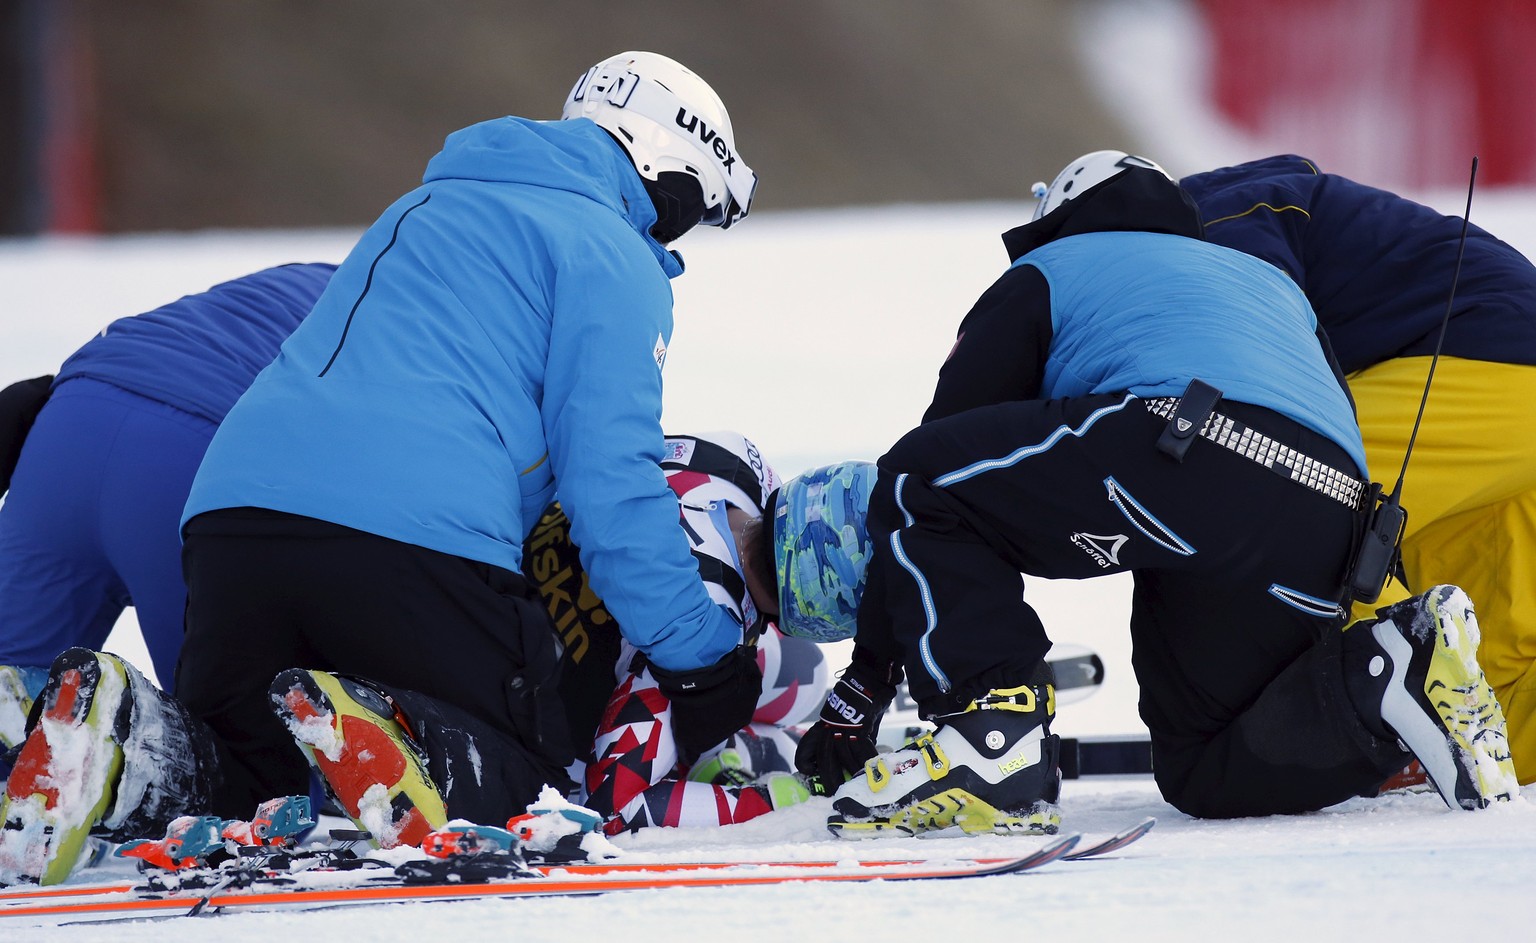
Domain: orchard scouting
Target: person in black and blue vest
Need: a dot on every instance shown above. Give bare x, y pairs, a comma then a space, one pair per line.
1130, 397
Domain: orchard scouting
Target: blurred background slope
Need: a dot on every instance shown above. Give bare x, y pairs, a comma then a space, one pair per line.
189, 114
174, 114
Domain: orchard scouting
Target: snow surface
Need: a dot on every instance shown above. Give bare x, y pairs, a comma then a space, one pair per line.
818, 335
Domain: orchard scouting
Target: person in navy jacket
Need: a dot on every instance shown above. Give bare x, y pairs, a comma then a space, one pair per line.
495, 341
1378, 269
98, 480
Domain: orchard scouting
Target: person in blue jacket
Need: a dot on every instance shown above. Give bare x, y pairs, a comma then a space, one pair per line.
98, 460
493, 342
1378, 269
1130, 397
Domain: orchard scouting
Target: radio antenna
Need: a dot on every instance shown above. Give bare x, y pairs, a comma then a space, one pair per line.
1384, 528
1461, 248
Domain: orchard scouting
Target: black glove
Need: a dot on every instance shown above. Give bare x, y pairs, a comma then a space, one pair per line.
709, 704
19, 405
845, 736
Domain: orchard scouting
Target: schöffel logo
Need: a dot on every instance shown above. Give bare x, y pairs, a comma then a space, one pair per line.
1105, 551
711, 137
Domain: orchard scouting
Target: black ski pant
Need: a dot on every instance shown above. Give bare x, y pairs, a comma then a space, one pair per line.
1239, 574
466, 649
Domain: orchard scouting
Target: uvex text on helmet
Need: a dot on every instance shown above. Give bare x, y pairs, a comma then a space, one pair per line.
668, 120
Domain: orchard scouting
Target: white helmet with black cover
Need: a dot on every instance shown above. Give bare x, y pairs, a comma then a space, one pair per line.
676, 131
1086, 172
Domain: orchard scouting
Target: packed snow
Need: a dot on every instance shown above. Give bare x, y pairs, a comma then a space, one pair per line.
818, 335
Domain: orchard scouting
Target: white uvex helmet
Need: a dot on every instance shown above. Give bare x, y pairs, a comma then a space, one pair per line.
669, 120
1087, 171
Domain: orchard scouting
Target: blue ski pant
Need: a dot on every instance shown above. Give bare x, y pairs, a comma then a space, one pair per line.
90, 525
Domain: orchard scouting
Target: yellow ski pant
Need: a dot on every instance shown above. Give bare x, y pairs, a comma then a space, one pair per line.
1471, 500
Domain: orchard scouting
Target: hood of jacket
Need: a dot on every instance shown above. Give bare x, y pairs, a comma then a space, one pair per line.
1138, 200
574, 155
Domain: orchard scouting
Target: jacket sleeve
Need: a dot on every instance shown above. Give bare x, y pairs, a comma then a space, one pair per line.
601, 411
999, 355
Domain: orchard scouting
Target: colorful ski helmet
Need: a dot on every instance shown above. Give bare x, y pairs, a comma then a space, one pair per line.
668, 120
1087, 171
821, 550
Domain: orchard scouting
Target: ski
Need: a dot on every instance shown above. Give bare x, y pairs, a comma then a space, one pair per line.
26, 896
20, 902
20, 897
1113, 843
309, 891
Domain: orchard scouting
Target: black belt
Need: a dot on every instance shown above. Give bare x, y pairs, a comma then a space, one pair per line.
1278, 458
